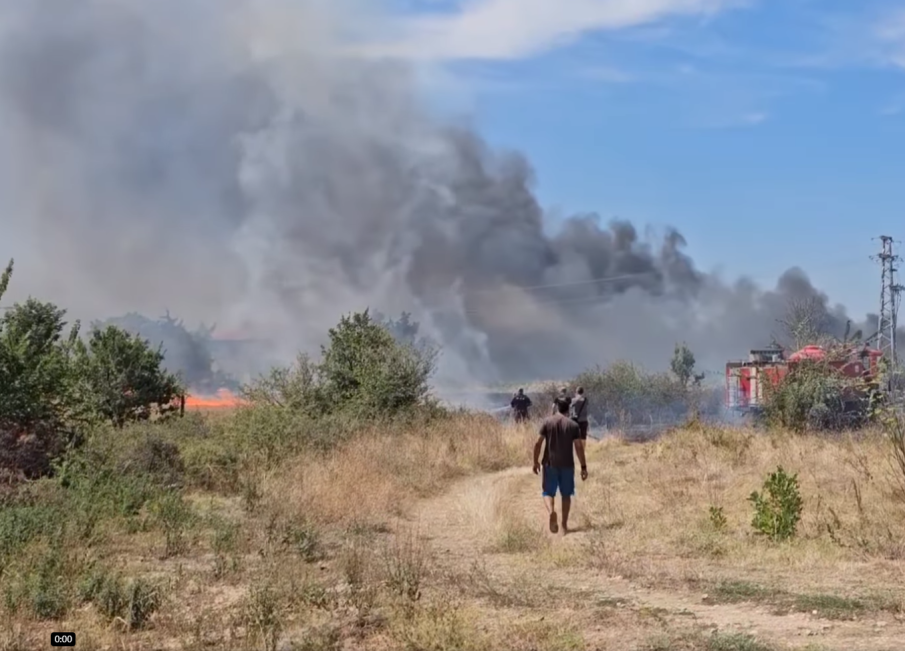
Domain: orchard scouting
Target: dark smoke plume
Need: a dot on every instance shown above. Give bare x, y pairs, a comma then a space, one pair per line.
236, 163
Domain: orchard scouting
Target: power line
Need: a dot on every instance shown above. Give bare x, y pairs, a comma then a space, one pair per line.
887, 321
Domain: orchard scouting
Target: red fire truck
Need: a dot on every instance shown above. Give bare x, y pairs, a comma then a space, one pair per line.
746, 380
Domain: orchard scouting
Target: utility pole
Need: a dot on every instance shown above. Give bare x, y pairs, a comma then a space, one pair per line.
889, 301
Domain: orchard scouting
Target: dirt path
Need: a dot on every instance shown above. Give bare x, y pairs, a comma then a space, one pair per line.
456, 525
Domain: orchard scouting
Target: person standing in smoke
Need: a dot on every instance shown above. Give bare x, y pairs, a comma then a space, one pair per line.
520, 405
562, 399
579, 413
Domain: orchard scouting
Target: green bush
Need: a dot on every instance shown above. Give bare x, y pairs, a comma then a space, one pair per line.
815, 396
41, 586
54, 387
121, 378
21, 524
38, 407
623, 394
35, 363
296, 388
682, 364
174, 516
132, 602
777, 510
364, 372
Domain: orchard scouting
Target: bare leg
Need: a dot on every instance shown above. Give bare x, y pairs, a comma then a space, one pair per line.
566, 506
551, 511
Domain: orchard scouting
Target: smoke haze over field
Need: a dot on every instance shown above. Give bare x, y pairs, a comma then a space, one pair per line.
233, 162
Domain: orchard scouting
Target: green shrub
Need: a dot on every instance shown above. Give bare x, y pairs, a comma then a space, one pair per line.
35, 364
364, 372
264, 616
114, 476
132, 602
212, 465
20, 524
777, 510
97, 488
156, 458
144, 600
224, 542
682, 364
104, 589
121, 378
296, 388
815, 396
39, 582
38, 404
54, 387
623, 394
174, 516
303, 538
717, 518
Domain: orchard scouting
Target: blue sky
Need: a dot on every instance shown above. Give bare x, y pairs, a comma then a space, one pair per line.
771, 133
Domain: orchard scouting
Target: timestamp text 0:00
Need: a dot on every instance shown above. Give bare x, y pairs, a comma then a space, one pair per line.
62, 639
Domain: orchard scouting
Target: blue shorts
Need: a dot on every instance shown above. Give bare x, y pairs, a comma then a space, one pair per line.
561, 478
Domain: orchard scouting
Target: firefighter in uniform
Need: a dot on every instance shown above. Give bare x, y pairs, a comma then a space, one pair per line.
520, 404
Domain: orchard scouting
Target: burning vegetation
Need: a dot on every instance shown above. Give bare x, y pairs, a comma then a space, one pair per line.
222, 399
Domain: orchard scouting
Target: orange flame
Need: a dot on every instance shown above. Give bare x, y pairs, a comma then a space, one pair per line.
224, 399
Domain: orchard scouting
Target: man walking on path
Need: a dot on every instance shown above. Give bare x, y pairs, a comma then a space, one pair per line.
560, 433
579, 414
520, 404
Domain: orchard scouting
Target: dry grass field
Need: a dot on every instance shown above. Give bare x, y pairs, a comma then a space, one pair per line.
434, 539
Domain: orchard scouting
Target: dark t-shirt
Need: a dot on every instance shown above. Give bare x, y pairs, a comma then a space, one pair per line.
566, 400
520, 402
559, 432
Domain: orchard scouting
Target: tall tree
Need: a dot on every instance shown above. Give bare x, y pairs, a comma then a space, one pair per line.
682, 364
805, 322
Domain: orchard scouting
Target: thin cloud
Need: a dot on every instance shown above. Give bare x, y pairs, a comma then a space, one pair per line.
871, 37
893, 107
753, 119
891, 33
715, 120
515, 29
606, 74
